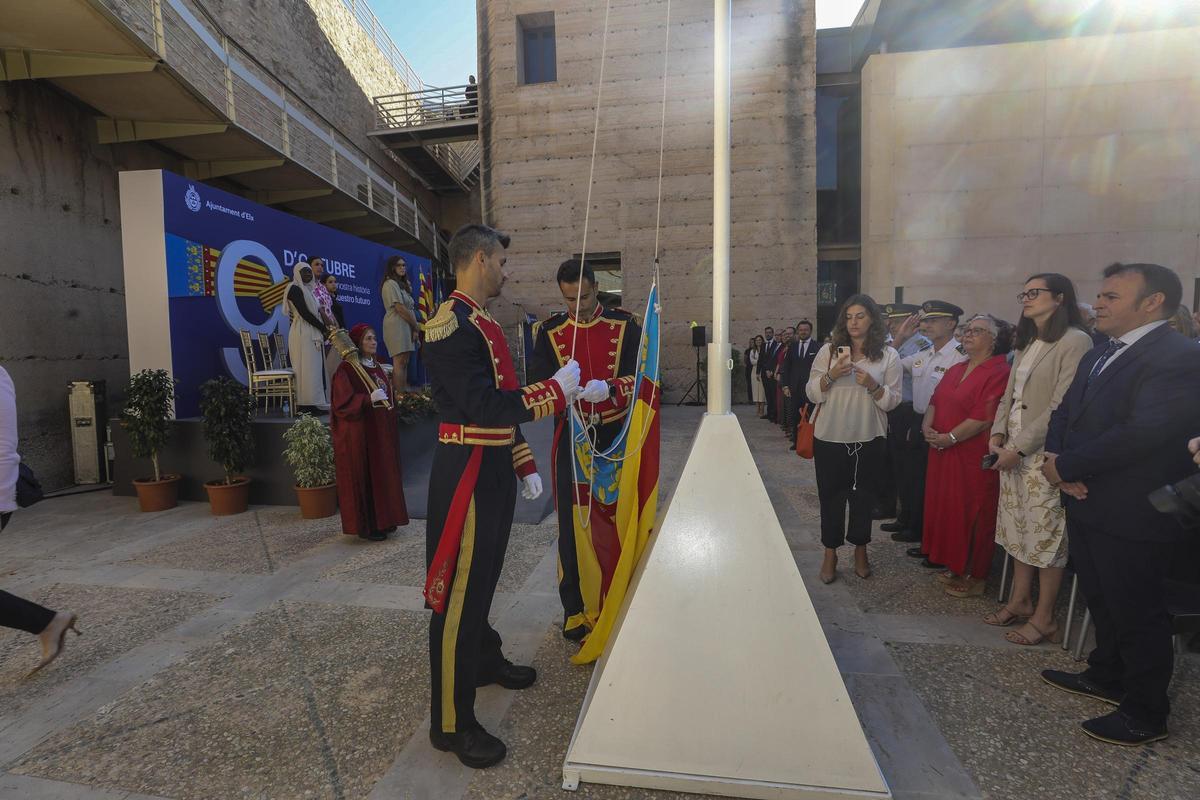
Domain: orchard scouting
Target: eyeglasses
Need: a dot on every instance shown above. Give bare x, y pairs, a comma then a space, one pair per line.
1030, 294
976, 332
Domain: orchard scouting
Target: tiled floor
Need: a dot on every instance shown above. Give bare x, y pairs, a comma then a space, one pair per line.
269, 657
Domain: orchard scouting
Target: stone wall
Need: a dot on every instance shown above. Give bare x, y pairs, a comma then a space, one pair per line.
320, 51
62, 295
538, 142
984, 165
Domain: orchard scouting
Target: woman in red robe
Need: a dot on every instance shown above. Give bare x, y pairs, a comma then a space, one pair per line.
370, 489
961, 497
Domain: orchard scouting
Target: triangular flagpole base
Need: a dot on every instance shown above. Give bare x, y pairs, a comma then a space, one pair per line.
718, 678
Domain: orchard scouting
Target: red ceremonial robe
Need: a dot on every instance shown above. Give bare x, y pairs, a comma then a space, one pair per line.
370, 489
961, 497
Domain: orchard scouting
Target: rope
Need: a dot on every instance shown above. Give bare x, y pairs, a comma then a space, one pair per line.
587, 211
587, 431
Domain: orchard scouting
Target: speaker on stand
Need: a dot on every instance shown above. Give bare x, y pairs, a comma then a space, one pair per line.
697, 387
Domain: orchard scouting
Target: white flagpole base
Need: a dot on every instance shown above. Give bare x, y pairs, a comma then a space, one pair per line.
718, 678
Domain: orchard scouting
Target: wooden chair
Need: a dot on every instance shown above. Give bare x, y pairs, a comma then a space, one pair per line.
268, 383
285, 361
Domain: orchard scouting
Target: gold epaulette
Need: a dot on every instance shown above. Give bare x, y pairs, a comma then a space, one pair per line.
443, 324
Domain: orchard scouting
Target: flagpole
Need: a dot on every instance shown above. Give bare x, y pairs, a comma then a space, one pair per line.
719, 367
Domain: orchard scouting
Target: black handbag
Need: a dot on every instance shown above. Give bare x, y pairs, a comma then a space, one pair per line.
29, 489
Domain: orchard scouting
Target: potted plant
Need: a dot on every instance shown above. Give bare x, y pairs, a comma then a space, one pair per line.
147, 420
228, 412
310, 453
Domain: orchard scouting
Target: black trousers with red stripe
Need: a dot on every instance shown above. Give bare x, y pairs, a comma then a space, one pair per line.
464, 649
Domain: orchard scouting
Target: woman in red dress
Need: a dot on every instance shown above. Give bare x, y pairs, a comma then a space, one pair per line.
961, 497
370, 489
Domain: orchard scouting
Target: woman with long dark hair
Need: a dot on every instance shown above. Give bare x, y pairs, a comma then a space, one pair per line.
856, 379
400, 322
1052, 338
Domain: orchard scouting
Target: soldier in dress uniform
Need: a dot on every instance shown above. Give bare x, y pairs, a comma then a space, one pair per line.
904, 425
480, 456
937, 323
605, 343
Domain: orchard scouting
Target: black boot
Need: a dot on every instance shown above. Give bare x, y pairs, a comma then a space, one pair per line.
475, 747
510, 676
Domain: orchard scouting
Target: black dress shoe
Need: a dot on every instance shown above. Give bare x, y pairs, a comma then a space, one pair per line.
575, 634
1079, 683
475, 747
377, 536
510, 676
927, 564
906, 536
1120, 728
915, 552
892, 527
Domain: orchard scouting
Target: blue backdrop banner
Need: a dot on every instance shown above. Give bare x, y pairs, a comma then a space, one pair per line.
228, 261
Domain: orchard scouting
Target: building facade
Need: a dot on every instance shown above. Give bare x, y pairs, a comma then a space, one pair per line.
964, 145
540, 66
271, 100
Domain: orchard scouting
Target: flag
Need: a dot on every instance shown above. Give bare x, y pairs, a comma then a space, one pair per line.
624, 476
425, 303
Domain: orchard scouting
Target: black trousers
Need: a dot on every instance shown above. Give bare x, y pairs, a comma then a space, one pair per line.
769, 385
910, 474
904, 436
847, 475
17, 612
1122, 581
464, 649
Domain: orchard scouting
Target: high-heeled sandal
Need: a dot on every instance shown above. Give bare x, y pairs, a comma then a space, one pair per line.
57, 645
994, 618
964, 588
946, 578
1016, 637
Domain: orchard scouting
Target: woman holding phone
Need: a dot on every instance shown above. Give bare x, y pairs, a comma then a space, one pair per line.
856, 380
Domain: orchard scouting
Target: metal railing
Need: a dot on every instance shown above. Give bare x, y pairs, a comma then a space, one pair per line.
194, 47
429, 105
370, 24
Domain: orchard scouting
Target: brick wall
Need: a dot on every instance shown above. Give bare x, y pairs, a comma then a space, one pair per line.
538, 141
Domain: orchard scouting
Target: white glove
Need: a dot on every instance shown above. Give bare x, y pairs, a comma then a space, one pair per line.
379, 395
568, 379
596, 391
531, 486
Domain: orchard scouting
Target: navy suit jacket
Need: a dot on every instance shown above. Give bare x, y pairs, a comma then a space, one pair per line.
766, 359
1126, 434
796, 369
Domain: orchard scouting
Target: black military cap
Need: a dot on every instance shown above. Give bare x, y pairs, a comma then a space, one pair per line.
900, 310
940, 308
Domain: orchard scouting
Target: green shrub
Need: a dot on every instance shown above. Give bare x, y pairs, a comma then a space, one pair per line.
228, 411
149, 407
310, 452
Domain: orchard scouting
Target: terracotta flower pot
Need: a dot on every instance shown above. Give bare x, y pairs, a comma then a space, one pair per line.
232, 498
317, 502
157, 495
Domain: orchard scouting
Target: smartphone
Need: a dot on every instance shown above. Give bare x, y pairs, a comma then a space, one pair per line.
843, 352
990, 460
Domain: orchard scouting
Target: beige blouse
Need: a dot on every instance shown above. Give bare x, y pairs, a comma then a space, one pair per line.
848, 412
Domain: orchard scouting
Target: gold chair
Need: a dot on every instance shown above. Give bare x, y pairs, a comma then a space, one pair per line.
268, 383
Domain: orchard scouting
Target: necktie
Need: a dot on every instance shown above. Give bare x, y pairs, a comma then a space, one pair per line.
1109, 352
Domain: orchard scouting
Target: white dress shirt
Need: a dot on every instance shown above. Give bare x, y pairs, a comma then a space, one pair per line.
1131, 338
927, 368
9, 460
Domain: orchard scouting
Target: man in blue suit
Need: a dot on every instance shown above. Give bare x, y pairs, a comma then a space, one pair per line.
1120, 432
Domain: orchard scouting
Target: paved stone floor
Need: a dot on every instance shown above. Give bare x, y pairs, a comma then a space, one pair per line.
263, 656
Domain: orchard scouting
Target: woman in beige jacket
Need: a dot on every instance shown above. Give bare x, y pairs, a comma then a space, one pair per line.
1031, 523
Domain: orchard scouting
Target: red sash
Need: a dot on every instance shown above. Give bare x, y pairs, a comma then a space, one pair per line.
445, 558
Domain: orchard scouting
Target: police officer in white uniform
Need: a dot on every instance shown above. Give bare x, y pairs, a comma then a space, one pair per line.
937, 323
